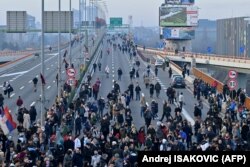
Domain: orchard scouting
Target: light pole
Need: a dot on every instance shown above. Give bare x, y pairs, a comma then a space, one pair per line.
80, 20
70, 59
42, 63
59, 51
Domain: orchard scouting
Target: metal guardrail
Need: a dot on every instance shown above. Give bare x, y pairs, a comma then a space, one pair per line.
225, 58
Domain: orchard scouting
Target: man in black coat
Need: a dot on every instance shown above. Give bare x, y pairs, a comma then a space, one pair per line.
77, 159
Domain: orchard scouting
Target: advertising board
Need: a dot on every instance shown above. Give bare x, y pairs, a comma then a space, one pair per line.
178, 33
178, 16
183, 2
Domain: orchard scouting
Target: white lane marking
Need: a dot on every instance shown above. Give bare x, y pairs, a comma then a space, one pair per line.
12, 95
36, 75
15, 73
113, 76
52, 65
30, 81
11, 80
21, 87
184, 111
33, 103
113, 71
47, 68
48, 87
63, 71
40, 95
1, 86
54, 81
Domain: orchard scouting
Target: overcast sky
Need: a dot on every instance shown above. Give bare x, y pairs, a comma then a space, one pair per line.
144, 12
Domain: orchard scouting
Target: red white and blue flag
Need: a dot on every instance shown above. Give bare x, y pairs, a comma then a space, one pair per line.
7, 124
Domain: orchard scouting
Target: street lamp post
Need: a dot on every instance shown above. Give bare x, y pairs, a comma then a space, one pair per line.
70, 58
42, 64
59, 51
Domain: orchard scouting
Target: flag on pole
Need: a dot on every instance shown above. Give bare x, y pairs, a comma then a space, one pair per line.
42, 79
6, 122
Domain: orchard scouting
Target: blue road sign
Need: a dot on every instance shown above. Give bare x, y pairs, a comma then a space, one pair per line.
242, 48
209, 49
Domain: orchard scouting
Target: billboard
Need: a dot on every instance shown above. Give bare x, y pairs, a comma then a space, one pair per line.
51, 21
115, 21
178, 16
180, 2
178, 33
16, 21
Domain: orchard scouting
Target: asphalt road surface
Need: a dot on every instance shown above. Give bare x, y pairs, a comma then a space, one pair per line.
117, 59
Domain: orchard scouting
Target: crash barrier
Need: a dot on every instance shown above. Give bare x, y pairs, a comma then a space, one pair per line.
93, 58
199, 74
208, 79
216, 57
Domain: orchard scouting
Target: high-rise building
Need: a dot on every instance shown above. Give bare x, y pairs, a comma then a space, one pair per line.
233, 37
31, 22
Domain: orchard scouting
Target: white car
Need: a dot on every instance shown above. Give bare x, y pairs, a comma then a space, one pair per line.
159, 63
175, 75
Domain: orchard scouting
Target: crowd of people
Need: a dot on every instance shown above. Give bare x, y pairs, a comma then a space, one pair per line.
99, 130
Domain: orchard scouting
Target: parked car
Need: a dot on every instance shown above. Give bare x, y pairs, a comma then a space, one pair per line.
178, 82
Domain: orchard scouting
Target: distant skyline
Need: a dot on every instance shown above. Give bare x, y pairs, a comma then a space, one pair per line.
144, 12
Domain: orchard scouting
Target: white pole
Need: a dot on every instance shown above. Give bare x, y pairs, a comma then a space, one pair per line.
70, 26
42, 63
59, 51
80, 20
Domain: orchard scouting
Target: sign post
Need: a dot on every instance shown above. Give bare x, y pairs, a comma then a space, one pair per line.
232, 74
232, 82
71, 72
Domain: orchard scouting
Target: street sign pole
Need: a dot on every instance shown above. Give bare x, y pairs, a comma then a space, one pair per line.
42, 64
59, 52
70, 59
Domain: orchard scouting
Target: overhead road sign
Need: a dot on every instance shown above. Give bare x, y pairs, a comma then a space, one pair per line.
232, 74
232, 84
51, 21
71, 72
16, 21
115, 21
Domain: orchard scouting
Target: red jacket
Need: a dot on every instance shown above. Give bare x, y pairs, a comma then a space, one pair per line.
141, 137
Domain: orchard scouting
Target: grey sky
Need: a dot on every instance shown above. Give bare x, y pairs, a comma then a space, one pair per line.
144, 12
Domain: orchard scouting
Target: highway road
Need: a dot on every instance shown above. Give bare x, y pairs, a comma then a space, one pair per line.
117, 59
20, 77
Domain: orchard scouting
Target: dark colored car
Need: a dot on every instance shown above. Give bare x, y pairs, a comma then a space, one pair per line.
179, 82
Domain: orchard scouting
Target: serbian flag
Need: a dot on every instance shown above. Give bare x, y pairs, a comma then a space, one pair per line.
6, 122
42, 79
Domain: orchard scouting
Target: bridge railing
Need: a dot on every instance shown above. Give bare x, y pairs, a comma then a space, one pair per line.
225, 58
197, 73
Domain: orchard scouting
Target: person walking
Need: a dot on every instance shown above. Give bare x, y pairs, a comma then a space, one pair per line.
19, 102
170, 72
107, 71
143, 104
119, 72
156, 71
137, 91
166, 111
131, 90
100, 66
26, 120
35, 80
157, 89
151, 89
181, 98
147, 117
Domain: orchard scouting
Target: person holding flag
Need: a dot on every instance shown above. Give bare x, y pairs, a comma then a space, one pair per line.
7, 124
